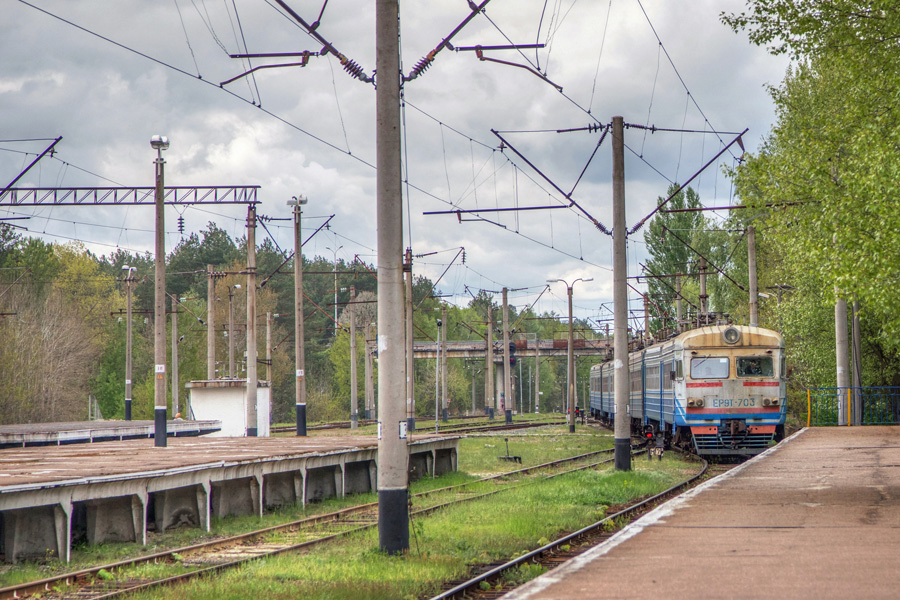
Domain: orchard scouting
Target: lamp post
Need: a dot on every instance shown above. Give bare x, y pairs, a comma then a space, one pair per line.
299, 345
231, 289
129, 280
160, 143
571, 358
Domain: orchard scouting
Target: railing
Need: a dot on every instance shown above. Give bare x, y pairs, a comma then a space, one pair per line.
854, 406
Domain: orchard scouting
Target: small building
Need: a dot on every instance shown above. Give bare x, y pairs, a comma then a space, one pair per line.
225, 400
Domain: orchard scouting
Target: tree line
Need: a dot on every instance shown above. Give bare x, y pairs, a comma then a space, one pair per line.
63, 328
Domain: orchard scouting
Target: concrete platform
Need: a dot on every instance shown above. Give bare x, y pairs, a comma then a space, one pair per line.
83, 432
53, 496
817, 516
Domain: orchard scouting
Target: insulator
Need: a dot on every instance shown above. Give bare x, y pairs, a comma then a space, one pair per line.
180, 224
354, 69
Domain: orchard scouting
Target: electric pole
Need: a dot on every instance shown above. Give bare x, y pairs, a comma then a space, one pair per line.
506, 400
252, 378
393, 454
751, 268
489, 397
160, 143
354, 390
620, 301
210, 323
445, 400
129, 282
175, 406
410, 339
299, 343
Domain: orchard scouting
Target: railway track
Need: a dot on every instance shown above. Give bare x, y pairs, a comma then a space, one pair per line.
112, 580
482, 585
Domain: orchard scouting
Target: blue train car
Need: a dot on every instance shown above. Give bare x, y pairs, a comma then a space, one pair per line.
719, 389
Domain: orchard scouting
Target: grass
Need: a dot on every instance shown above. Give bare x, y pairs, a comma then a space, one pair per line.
445, 545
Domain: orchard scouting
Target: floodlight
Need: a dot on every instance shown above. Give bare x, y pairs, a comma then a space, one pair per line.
159, 142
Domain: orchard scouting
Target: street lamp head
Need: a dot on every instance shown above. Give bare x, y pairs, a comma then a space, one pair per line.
588, 279
237, 286
554, 280
126, 267
159, 142
297, 200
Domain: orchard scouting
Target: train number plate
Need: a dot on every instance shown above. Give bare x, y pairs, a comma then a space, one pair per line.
733, 403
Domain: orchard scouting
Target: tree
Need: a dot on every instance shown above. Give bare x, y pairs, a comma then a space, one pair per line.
831, 167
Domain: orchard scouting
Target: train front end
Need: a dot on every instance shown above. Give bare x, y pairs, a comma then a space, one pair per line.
730, 389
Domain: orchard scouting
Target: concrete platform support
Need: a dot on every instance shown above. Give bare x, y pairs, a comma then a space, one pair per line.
236, 497
282, 489
360, 477
323, 482
444, 461
37, 533
122, 519
420, 465
187, 505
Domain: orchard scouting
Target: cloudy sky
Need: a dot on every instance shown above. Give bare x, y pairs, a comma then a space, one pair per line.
106, 76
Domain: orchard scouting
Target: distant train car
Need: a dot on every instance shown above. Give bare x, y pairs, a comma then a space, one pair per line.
719, 390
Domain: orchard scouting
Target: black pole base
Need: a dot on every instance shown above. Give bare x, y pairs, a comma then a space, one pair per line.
354, 420
127, 409
368, 415
301, 420
252, 432
487, 411
445, 415
159, 428
410, 424
571, 427
623, 454
509, 417
393, 521
491, 414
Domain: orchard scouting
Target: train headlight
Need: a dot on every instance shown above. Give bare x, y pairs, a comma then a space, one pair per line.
731, 335
767, 402
695, 402
774, 401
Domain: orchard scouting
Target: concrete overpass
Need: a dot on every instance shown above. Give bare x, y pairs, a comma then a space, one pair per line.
602, 349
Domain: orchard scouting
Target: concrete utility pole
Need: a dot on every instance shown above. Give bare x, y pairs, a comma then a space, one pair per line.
299, 342
646, 333
175, 406
393, 454
210, 323
160, 143
620, 302
354, 389
570, 365
231, 289
678, 313
704, 297
252, 378
269, 349
473, 391
537, 375
842, 348
410, 338
370, 367
489, 397
445, 400
129, 282
751, 268
857, 367
506, 400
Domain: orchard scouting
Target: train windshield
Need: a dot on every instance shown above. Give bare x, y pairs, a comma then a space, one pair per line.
755, 366
710, 367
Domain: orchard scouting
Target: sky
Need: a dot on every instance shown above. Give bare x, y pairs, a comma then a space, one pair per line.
106, 76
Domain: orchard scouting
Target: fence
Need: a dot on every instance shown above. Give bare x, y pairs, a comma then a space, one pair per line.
854, 406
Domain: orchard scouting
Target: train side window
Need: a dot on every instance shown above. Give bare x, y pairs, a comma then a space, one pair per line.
710, 367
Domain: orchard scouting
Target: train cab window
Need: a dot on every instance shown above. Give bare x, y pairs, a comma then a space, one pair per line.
755, 366
710, 367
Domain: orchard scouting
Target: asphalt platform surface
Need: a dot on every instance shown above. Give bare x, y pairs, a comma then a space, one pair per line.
817, 516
